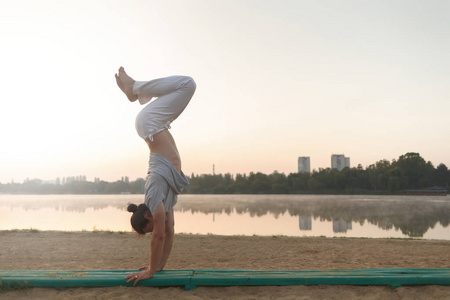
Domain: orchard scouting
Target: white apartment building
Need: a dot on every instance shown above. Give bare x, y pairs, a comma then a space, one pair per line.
304, 164
339, 161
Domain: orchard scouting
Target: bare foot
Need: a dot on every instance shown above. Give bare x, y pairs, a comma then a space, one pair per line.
126, 83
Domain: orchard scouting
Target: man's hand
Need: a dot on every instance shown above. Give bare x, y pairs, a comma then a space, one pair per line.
139, 276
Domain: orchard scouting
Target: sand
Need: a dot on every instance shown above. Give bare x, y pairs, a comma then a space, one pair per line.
25, 250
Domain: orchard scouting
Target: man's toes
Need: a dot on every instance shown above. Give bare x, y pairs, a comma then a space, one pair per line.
119, 83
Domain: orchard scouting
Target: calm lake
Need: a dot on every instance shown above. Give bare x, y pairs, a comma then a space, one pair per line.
290, 215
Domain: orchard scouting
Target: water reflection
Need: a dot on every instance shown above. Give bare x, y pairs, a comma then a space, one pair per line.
412, 216
305, 222
340, 225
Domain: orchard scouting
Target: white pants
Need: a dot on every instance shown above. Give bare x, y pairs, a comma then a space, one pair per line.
174, 94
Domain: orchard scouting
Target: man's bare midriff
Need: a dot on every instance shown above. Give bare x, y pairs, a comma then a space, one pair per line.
164, 144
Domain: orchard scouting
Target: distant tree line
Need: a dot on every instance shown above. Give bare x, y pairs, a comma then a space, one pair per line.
37, 186
409, 171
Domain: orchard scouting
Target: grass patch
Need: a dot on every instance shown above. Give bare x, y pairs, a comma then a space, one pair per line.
279, 236
95, 230
32, 230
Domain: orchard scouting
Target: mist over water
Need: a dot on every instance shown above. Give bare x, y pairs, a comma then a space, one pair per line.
290, 215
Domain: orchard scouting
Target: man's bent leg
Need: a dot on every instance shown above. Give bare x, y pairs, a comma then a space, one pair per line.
181, 88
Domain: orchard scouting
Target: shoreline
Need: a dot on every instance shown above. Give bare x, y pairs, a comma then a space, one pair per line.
34, 230
100, 250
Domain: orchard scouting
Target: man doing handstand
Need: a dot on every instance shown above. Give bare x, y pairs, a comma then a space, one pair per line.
165, 180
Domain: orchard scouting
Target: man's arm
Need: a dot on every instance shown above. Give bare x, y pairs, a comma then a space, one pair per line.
156, 247
168, 241
157, 239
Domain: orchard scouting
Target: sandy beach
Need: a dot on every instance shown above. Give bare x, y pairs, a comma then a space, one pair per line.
52, 250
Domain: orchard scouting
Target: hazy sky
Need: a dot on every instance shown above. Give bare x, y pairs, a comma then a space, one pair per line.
275, 80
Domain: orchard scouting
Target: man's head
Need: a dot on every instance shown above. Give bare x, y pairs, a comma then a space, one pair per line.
142, 219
